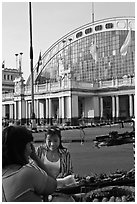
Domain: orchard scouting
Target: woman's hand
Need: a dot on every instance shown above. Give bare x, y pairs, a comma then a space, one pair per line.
60, 183
66, 181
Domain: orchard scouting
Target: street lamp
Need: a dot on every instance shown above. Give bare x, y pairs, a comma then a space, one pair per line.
20, 81
16, 61
20, 64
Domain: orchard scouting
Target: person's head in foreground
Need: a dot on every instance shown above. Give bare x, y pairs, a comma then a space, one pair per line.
16, 145
22, 181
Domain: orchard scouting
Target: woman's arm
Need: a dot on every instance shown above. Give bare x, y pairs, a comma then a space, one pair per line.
69, 166
38, 161
66, 164
41, 182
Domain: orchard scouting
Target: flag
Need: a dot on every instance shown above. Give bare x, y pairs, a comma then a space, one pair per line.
61, 65
3, 64
94, 51
39, 62
126, 44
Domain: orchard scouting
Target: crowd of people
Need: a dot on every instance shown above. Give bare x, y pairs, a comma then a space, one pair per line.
32, 174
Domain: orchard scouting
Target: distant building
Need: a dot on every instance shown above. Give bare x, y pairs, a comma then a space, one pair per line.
8, 77
89, 73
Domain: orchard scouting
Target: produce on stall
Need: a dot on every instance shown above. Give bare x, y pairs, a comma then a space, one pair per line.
118, 186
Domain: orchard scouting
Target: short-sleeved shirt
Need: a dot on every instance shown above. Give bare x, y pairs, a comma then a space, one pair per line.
25, 184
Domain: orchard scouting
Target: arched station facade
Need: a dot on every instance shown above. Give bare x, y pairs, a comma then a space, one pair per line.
87, 74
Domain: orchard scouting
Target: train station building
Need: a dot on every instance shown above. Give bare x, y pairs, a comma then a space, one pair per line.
88, 74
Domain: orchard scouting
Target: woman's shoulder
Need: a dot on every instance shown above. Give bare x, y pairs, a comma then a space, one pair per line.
64, 151
11, 170
32, 168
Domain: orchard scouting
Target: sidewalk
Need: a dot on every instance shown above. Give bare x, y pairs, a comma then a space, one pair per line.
76, 134
63, 127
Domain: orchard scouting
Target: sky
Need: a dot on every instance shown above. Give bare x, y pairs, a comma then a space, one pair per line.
50, 22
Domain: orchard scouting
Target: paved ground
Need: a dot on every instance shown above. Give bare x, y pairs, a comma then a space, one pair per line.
88, 159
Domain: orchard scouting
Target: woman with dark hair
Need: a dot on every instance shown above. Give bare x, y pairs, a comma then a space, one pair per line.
58, 162
22, 181
54, 155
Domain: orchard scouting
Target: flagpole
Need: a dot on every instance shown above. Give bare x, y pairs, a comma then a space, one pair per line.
33, 121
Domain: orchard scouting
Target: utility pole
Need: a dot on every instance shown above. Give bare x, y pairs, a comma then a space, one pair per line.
33, 120
70, 78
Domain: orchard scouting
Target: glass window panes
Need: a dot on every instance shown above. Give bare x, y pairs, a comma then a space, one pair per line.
93, 57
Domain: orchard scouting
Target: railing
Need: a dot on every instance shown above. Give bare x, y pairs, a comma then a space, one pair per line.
82, 85
128, 81
67, 84
56, 86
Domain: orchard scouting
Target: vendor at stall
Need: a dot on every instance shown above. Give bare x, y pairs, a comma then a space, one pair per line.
56, 158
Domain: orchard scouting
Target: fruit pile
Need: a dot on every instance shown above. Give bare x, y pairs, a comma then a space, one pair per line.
111, 194
119, 177
118, 186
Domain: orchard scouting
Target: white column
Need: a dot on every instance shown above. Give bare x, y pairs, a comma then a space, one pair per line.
11, 111
19, 109
60, 108
27, 109
15, 110
23, 108
37, 107
50, 113
44, 108
96, 106
63, 115
113, 107
41, 109
74, 106
130, 106
3, 111
117, 106
101, 107
70, 107
47, 108
134, 104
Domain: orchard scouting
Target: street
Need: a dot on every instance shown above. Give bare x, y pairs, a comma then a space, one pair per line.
88, 159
